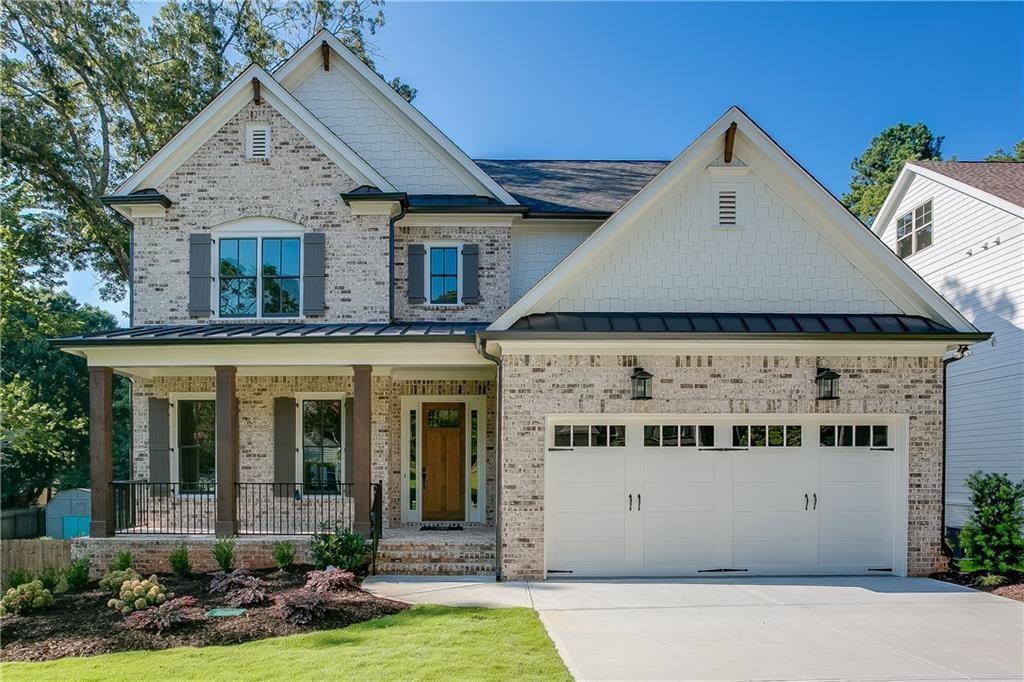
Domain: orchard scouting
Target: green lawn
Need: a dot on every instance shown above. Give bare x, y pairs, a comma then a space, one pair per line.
424, 643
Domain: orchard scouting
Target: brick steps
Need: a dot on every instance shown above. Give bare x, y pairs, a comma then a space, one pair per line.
431, 555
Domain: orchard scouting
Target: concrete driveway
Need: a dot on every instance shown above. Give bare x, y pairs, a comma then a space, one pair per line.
878, 628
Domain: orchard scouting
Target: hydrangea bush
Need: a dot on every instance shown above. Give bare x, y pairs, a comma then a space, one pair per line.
113, 580
139, 594
30, 596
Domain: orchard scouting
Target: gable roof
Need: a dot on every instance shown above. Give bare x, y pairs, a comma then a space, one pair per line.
572, 187
1004, 179
308, 57
859, 245
226, 104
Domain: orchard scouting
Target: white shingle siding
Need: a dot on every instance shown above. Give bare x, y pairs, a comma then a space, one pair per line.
676, 260
537, 250
985, 390
362, 124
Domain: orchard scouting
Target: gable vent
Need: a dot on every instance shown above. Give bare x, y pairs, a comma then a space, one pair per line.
258, 141
726, 207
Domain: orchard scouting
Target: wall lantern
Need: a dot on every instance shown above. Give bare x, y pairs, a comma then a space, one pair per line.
641, 382
828, 384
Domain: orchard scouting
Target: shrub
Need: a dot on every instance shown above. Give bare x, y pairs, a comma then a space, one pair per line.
178, 559
224, 554
301, 607
331, 580
993, 537
284, 554
165, 616
113, 581
50, 576
122, 561
240, 588
341, 548
992, 580
245, 596
77, 574
17, 577
137, 594
30, 596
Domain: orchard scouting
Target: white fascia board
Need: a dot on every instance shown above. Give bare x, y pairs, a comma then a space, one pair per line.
458, 220
225, 105
820, 208
892, 200
298, 67
384, 208
561, 277
722, 347
306, 355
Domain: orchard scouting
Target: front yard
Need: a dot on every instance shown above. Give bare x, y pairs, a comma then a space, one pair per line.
422, 643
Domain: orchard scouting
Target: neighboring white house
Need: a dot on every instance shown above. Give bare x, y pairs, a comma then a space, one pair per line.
960, 225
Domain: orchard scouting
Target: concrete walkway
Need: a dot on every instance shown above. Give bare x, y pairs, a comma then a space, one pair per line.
876, 628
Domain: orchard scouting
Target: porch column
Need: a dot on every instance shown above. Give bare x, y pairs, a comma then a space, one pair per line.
227, 452
101, 457
362, 396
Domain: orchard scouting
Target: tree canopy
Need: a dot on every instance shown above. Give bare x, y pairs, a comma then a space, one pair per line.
875, 171
1015, 154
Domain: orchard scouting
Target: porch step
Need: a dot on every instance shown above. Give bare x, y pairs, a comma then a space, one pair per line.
405, 552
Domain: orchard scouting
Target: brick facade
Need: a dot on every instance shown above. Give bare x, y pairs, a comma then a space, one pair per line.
597, 384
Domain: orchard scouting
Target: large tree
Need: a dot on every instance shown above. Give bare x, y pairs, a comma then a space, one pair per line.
1015, 154
88, 93
875, 171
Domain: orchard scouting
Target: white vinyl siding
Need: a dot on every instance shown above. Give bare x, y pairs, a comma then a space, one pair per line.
985, 281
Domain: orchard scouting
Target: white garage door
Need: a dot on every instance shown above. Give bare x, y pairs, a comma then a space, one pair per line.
683, 496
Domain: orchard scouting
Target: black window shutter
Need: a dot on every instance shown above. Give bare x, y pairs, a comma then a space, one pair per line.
470, 273
284, 445
314, 270
160, 444
415, 284
199, 277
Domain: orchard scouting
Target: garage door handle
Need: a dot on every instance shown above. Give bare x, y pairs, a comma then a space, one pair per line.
638, 501
807, 501
815, 501
631, 502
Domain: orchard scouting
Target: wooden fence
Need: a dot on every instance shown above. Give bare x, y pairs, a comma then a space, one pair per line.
33, 555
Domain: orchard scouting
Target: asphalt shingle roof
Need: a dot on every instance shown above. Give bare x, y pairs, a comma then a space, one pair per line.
1004, 179
554, 186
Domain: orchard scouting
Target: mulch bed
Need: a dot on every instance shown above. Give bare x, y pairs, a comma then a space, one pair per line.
1014, 589
81, 624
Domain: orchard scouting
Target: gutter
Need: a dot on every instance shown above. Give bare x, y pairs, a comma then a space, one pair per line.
959, 354
481, 348
391, 260
529, 335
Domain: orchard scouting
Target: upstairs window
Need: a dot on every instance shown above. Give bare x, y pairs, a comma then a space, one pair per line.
443, 277
270, 289
257, 141
914, 230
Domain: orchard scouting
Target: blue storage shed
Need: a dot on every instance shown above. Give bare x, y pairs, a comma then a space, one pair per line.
68, 513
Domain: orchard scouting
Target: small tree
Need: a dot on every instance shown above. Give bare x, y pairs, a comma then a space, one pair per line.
993, 537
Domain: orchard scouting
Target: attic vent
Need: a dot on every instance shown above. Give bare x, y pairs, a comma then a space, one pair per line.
257, 143
726, 207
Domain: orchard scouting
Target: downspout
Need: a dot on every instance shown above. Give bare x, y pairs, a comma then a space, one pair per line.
391, 260
959, 354
482, 349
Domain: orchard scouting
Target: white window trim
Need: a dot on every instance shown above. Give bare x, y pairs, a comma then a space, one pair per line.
441, 244
912, 212
249, 128
258, 229
415, 402
328, 395
173, 399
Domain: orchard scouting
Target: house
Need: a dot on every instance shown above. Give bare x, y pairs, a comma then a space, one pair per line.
960, 225
590, 368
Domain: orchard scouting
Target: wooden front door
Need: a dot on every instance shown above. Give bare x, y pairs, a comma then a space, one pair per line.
444, 461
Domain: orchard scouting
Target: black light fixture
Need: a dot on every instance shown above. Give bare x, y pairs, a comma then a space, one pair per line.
828, 384
641, 382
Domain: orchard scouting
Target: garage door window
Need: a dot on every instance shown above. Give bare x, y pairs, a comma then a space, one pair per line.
590, 435
854, 435
766, 436
679, 435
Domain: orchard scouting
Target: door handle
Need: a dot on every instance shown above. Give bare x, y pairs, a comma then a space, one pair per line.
807, 501
815, 501
638, 501
631, 502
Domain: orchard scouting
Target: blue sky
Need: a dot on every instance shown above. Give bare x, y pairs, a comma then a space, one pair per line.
640, 81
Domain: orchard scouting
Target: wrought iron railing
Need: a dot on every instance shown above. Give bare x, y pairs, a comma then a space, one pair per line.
376, 522
293, 508
143, 507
